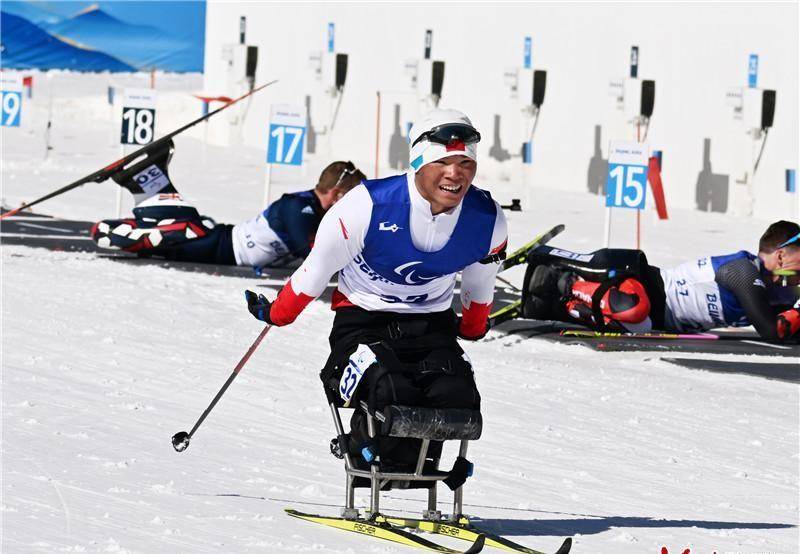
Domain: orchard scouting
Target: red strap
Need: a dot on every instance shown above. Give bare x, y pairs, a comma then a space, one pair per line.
339, 300
288, 305
474, 319
210, 99
585, 290
654, 176
498, 248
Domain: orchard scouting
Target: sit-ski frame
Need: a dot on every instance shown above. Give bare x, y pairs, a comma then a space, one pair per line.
378, 479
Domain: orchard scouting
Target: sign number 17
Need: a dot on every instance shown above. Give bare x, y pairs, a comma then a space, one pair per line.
285, 142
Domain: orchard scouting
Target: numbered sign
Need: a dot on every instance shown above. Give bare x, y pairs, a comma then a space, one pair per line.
138, 125
287, 131
626, 186
10, 100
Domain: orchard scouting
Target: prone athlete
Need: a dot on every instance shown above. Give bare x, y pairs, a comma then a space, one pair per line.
165, 226
617, 289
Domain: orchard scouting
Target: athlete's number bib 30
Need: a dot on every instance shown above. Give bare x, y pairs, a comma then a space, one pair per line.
359, 362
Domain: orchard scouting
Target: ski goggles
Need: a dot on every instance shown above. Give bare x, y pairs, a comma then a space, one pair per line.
792, 240
449, 133
349, 169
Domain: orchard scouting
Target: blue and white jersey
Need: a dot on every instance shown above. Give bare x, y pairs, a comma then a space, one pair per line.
393, 254
390, 273
696, 301
285, 229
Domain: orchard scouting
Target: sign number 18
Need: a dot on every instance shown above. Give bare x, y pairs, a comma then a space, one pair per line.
138, 125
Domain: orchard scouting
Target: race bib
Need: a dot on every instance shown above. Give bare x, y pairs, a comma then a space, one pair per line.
151, 180
358, 363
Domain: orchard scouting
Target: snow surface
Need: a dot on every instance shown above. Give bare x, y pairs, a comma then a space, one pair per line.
102, 362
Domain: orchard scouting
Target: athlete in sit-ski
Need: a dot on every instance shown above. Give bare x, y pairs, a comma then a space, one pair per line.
398, 244
166, 226
618, 289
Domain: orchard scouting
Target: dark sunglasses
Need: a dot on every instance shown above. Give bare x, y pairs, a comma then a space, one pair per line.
446, 134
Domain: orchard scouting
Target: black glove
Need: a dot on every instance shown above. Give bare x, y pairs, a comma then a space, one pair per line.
258, 305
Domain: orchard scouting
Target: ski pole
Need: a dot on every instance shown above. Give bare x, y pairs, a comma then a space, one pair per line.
102, 174
180, 440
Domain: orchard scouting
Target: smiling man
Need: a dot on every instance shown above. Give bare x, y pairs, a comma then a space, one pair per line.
398, 244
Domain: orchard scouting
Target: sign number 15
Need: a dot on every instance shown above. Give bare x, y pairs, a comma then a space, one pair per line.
626, 186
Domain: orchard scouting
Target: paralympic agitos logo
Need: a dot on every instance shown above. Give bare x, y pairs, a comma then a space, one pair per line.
410, 277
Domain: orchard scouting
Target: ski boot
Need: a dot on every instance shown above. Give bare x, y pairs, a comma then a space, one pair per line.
155, 225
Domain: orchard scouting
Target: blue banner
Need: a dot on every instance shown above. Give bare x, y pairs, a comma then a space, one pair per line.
330, 37
134, 35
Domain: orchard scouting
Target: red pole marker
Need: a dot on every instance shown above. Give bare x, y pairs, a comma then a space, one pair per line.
654, 176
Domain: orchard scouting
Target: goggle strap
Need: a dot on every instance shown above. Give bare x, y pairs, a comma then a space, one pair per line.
790, 241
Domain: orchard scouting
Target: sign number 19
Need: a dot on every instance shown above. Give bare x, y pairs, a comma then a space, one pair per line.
11, 108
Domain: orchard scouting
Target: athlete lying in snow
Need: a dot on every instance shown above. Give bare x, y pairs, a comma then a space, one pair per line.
166, 226
616, 288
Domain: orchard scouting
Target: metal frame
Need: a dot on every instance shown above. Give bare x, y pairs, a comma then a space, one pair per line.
379, 478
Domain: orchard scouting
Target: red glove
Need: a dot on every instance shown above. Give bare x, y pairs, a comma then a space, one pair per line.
474, 321
788, 323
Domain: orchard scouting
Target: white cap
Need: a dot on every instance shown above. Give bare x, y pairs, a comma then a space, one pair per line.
425, 151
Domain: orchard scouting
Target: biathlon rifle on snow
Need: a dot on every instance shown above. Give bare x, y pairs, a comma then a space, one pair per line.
103, 174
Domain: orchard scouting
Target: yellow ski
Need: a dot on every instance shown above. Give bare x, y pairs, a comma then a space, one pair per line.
464, 530
521, 254
380, 528
511, 311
